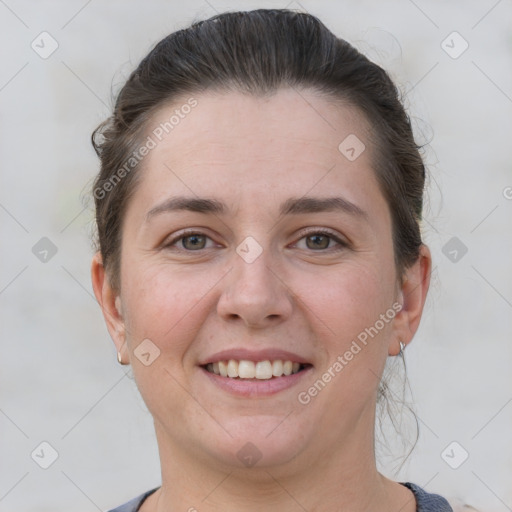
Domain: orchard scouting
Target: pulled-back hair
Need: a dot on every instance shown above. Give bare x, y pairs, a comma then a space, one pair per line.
258, 52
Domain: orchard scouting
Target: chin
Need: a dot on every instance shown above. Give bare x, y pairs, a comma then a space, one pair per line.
258, 442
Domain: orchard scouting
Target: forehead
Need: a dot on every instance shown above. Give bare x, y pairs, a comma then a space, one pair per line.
234, 120
241, 145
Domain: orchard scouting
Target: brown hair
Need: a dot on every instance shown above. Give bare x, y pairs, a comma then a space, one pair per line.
258, 52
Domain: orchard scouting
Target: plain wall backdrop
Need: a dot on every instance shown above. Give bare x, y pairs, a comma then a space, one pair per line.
60, 382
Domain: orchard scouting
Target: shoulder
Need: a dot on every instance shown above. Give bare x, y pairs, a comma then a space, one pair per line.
134, 504
428, 502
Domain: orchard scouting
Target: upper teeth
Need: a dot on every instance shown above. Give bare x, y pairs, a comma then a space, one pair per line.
249, 370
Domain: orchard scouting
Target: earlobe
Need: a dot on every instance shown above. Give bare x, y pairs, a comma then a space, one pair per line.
413, 293
110, 303
118, 306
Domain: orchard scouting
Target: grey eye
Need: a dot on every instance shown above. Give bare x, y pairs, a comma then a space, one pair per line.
318, 241
196, 242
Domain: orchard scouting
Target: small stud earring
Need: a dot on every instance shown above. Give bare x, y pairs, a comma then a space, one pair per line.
119, 357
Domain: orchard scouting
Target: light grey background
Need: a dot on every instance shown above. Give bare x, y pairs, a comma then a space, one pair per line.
60, 381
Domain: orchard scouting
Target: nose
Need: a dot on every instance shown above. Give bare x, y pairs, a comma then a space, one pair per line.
255, 293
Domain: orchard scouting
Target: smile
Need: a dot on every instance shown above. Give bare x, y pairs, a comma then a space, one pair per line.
260, 370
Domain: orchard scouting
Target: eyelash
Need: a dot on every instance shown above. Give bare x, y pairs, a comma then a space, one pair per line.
303, 234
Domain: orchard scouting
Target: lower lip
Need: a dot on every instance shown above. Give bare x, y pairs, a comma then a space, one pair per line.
256, 388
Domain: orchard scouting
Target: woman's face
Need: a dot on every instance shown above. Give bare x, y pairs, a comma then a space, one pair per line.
269, 270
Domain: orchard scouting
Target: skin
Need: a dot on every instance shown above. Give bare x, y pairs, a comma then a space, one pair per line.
253, 154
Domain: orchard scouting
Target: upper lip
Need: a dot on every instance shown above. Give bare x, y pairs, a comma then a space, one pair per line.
271, 354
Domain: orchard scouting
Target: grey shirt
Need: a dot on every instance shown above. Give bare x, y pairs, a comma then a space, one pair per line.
425, 501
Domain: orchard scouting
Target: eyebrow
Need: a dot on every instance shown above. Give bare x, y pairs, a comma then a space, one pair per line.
292, 206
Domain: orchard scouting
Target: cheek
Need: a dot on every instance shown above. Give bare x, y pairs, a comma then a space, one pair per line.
348, 299
165, 304
346, 309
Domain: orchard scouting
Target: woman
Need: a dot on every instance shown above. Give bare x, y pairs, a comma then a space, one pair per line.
260, 258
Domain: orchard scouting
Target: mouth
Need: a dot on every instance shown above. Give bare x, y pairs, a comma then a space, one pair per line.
247, 370
261, 373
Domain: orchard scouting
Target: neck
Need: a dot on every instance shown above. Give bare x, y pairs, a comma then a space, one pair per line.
341, 479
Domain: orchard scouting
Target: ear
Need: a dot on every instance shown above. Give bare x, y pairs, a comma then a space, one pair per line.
412, 296
110, 304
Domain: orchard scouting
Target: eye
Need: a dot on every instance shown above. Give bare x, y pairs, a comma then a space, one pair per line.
318, 240
321, 240
188, 241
